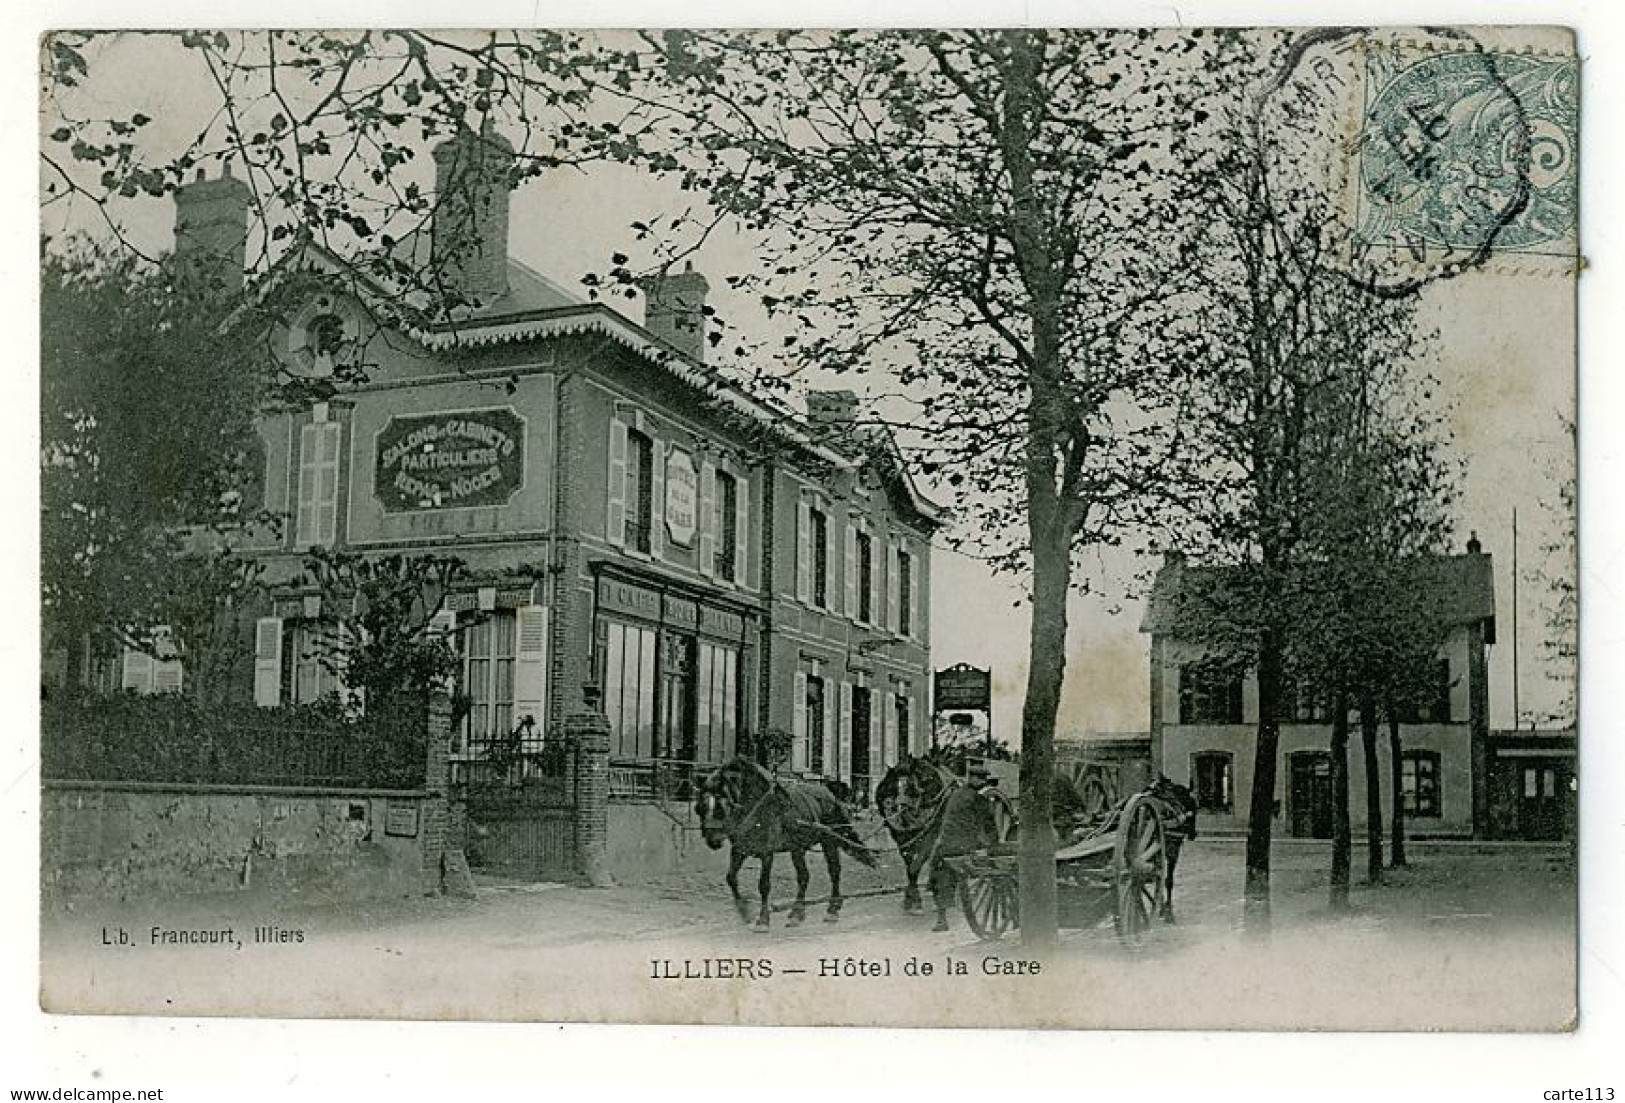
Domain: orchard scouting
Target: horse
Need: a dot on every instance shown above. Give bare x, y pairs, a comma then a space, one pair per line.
761, 815
1177, 809
933, 815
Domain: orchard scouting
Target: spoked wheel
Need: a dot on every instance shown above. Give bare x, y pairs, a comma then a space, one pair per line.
1139, 871
989, 901
1098, 795
1004, 816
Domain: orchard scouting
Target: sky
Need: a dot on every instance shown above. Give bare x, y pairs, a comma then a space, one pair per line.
1506, 361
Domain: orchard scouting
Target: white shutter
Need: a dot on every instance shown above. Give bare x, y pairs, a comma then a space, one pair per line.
137, 670
913, 732
798, 722
851, 563
268, 662
306, 525
877, 735
327, 483
530, 665
804, 559
841, 760
166, 668
916, 582
892, 589
710, 527
657, 501
742, 540
615, 507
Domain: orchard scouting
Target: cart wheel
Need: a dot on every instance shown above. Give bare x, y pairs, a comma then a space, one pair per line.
989, 902
1139, 870
1096, 792
1004, 816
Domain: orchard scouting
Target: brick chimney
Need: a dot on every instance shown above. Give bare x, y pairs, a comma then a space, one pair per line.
211, 227
675, 310
473, 175
832, 409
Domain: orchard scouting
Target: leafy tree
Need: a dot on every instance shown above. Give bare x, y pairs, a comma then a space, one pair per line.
149, 459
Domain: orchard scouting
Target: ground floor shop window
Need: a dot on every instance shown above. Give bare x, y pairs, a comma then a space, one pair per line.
1419, 782
717, 720
1211, 773
628, 665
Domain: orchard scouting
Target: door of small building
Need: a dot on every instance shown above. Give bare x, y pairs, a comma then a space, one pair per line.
860, 743
1311, 795
1540, 802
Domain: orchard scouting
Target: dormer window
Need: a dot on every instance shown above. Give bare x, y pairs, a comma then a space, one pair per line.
321, 337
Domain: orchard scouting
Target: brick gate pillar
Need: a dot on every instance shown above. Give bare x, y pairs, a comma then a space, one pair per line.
588, 734
445, 823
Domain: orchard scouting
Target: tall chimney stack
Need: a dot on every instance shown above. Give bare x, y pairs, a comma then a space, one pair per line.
675, 310
473, 175
211, 227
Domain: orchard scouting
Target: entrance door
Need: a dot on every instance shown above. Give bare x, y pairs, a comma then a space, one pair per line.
860, 744
1311, 795
677, 697
1540, 808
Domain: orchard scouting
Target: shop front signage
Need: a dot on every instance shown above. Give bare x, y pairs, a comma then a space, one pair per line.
682, 498
964, 687
453, 460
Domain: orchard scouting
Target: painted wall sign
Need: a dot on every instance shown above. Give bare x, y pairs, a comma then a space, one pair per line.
682, 497
451, 460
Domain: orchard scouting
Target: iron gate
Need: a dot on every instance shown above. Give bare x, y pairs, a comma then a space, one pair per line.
520, 811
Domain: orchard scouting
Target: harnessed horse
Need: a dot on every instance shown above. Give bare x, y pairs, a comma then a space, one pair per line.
932, 815
762, 815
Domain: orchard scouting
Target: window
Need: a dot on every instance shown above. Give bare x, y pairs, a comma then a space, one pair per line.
317, 516
640, 460
727, 525
628, 666
904, 729
1209, 693
1431, 702
717, 727
905, 593
866, 575
1211, 771
1302, 700
1419, 782
819, 522
488, 658
815, 723
311, 653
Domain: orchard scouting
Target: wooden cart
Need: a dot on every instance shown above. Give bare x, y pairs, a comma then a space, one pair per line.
1118, 868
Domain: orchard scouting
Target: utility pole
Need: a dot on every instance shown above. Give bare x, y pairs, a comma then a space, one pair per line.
1517, 713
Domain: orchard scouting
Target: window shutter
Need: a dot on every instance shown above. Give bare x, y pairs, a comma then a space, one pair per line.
657, 501
804, 559
888, 750
268, 662
166, 671
877, 734
916, 586
742, 539
615, 507
306, 517
137, 670
798, 722
530, 665
893, 590
842, 758
710, 519
851, 561
327, 483
913, 732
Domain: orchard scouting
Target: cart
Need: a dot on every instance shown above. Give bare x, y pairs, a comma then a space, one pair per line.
1118, 867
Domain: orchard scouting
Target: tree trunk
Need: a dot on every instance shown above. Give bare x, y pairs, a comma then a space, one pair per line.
1261, 811
1342, 844
1396, 856
1373, 788
1052, 563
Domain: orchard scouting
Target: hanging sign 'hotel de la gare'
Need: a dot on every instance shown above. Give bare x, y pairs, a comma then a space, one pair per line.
451, 460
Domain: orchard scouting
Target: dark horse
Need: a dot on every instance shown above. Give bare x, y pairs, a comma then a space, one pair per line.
933, 815
1177, 810
763, 815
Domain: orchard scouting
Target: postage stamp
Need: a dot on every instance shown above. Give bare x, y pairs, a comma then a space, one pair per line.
1466, 153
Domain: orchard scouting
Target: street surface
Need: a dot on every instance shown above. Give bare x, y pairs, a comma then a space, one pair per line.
1470, 936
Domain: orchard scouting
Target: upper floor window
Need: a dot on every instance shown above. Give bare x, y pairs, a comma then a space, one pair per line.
640, 461
818, 534
316, 519
905, 593
1430, 702
866, 575
1209, 693
727, 525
